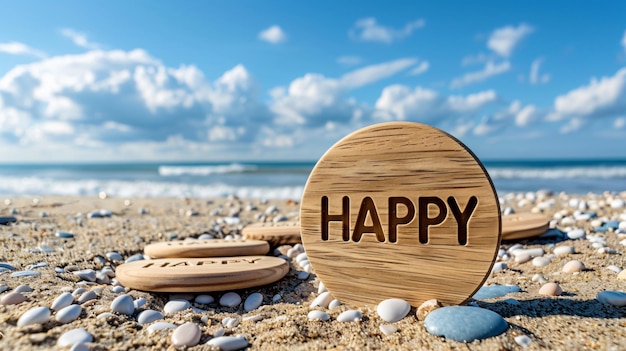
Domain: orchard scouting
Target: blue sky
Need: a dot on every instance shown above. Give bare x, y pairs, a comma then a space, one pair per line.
234, 80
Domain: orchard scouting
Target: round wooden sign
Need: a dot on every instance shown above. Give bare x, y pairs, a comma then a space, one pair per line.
524, 225
400, 210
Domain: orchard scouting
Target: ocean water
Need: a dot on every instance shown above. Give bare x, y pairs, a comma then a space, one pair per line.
274, 180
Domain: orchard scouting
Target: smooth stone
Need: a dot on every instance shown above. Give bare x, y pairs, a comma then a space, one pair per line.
563, 250
615, 298
522, 257
105, 315
304, 275
614, 268
550, 289
465, 323
3, 288
350, 316
73, 337
576, 234
316, 314
23, 288
334, 303
187, 334
523, 341
219, 332
253, 302
229, 343
139, 302
541, 261
87, 296
160, 326
26, 273
123, 304
64, 235
426, 307
7, 220
617, 203
176, 305
393, 310
36, 315
7, 266
12, 298
149, 316
118, 289
204, 299
86, 274
499, 266
230, 322
230, 299
68, 314
573, 266
322, 300
114, 256
135, 257
388, 329
495, 290
539, 278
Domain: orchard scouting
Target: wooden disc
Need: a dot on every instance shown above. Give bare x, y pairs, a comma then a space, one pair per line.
207, 248
524, 225
379, 217
276, 234
201, 274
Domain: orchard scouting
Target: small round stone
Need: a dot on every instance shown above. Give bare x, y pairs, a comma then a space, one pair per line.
123, 304
316, 314
87, 296
573, 266
229, 343
393, 310
550, 289
187, 334
73, 337
176, 305
230, 299
615, 298
563, 250
388, 329
350, 316
36, 315
541, 261
204, 299
322, 300
253, 302
465, 323
523, 340
12, 298
148, 316
68, 314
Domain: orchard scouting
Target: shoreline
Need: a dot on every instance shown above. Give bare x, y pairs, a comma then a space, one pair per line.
575, 320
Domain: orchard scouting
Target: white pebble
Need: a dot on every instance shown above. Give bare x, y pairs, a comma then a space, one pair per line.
36, 315
523, 341
499, 266
187, 334
316, 314
576, 234
253, 302
117, 289
350, 316
62, 301
230, 299
204, 299
321, 288
176, 305
541, 261
148, 316
617, 203
87, 296
68, 314
73, 337
86, 274
573, 266
614, 268
219, 332
139, 302
322, 300
615, 298
388, 329
393, 310
334, 303
229, 343
563, 250
230, 322
123, 304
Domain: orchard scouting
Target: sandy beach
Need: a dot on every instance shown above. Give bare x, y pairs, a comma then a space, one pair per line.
576, 320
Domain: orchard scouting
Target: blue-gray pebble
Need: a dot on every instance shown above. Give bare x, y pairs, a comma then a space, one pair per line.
465, 323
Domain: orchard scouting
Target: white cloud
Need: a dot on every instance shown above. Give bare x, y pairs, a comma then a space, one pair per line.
17, 48
601, 98
619, 123
314, 99
367, 29
534, 76
79, 39
491, 69
419, 69
504, 40
571, 126
273, 34
399, 102
526, 116
349, 60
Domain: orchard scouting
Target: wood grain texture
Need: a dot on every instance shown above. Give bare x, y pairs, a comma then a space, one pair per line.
276, 234
207, 248
413, 161
524, 225
201, 274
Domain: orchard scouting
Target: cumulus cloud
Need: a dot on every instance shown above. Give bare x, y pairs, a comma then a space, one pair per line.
119, 96
491, 69
79, 39
274, 35
17, 48
399, 102
368, 29
571, 126
600, 98
504, 40
315, 99
535, 77
419, 69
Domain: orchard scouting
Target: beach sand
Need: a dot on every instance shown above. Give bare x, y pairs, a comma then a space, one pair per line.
574, 321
